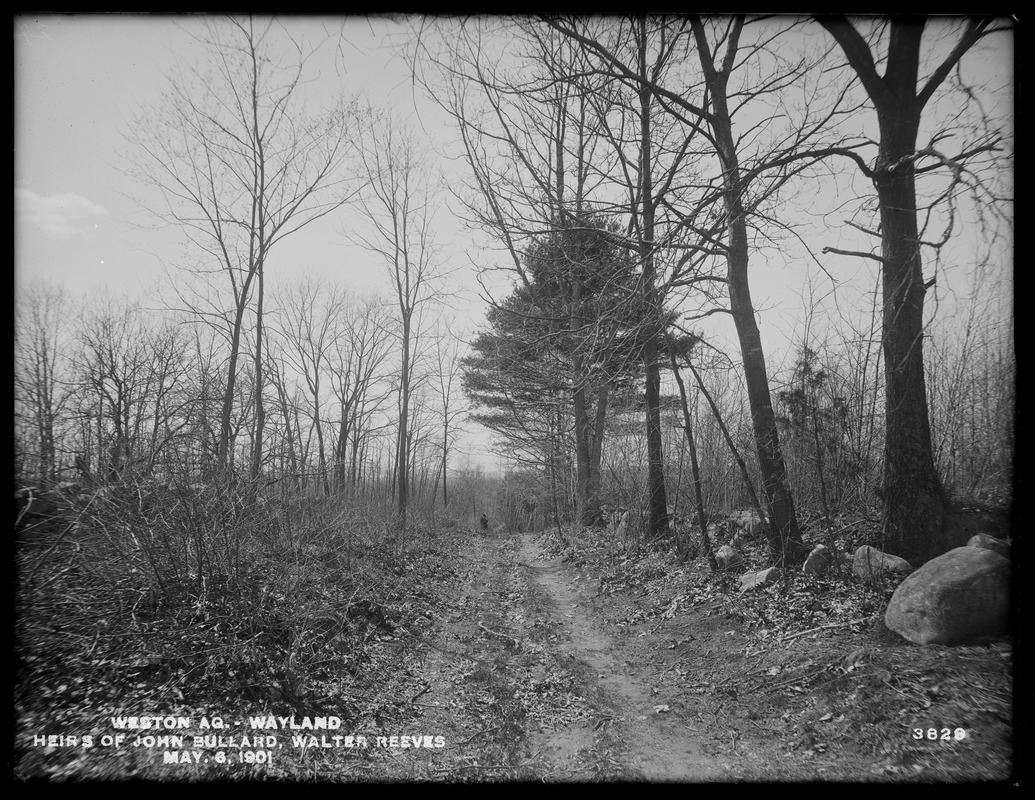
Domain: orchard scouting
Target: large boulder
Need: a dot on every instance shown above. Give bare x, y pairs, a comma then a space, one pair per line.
765, 577
870, 565
819, 561
955, 598
988, 542
728, 558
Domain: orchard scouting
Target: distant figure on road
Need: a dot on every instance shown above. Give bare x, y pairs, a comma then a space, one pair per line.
484, 522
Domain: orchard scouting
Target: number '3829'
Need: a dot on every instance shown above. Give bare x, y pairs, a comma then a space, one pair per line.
942, 734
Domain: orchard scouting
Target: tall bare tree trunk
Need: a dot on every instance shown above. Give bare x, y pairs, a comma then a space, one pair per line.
784, 536
402, 463
657, 496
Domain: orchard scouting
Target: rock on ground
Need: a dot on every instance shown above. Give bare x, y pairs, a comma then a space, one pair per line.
751, 580
870, 564
728, 558
955, 598
819, 561
988, 542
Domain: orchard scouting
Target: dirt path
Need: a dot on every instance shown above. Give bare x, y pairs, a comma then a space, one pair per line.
527, 681
645, 738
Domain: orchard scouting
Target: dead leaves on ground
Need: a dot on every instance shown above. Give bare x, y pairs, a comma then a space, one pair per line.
807, 667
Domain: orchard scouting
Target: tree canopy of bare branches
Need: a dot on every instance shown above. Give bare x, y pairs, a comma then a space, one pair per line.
237, 165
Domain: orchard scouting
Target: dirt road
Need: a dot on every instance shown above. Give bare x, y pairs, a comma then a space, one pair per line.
532, 683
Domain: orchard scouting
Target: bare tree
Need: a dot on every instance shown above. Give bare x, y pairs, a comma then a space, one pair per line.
740, 190
289, 451
111, 362
399, 207
202, 385
362, 353
544, 160
129, 372
446, 371
695, 467
915, 506
970, 383
170, 405
40, 394
309, 325
240, 164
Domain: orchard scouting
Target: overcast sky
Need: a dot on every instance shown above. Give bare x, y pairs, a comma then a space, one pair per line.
80, 79
79, 82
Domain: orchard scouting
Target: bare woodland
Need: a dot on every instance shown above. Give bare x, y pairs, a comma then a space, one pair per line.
625, 183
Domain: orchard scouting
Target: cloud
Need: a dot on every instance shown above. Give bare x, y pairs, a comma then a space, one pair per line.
60, 216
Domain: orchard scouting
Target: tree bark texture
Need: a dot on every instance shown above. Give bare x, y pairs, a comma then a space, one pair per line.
914, 505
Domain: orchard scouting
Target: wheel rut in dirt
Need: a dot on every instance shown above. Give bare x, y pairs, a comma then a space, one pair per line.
526, 682
641, 737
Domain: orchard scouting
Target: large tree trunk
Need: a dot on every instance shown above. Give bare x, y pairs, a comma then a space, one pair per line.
588, 508
586, 514
596, 451
588, 454
914, 505
657, 496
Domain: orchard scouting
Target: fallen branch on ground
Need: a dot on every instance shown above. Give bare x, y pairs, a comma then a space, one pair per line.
828, 626
500, 635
